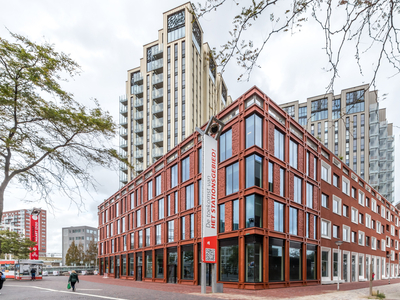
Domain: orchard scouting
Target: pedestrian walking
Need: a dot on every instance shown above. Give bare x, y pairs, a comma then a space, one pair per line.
33, 274
2, 279
73, 278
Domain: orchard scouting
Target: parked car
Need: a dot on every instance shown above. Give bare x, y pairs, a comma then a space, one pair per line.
45, 273
84, 272
56, 273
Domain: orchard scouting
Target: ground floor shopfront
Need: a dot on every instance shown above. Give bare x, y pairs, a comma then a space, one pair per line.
354, 266
249, 262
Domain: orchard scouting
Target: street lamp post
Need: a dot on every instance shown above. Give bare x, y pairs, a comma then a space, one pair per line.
388, 256
338, 243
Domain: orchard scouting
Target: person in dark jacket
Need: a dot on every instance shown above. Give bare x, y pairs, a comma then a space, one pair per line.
73, 278
33, 274
1, 280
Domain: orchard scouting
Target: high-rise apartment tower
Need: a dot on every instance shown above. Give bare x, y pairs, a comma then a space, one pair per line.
353, 127
174, 89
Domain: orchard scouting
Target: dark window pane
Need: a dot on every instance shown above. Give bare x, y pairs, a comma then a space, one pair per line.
276, 260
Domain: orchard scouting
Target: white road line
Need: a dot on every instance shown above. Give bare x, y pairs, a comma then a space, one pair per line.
69, 292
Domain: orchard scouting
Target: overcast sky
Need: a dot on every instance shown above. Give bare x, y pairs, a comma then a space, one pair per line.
106, 38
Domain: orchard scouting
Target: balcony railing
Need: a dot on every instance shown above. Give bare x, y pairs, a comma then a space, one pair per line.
138, 102
138, 153
139, 141
157, 108
137, 89
158, 137
138, 115
157, 123
157, 93
139, 128
157, 78
139, 167
157, 152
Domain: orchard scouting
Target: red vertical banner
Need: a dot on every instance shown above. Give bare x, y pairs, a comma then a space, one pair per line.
34, 237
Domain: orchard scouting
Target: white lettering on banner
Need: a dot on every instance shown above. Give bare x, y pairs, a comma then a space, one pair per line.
209, 188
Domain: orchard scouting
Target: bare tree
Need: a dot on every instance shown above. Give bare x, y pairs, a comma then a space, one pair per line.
365, 26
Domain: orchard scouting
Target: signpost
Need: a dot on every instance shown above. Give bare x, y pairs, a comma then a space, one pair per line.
209, 207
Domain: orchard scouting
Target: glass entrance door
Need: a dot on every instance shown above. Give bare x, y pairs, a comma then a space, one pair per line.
139, 266
172, 265
353, 268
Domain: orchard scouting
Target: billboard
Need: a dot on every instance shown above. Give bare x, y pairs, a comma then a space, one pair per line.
34, 236
209, 202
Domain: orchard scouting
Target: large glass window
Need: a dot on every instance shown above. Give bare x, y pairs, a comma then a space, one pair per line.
311, 262
235, 212
161, 208
282, 182
253, 171
319, 110
355, 102
190, 196
325, 264
174, 176
192, 226
160, 263
293, 221
158, 185
158, 234
254, 211
335, 264
150, 190
278, 216
187, 262
221, 217
310, 195
232, 178
183, 236
170, 231
148, 238
140, 239
276, 260
254, 258
270, 176
253, 131
279, 145
149, 264
123, 271
293, 151
185, 169
295, 261
229, 260
200, 160
303, 115
297, 187
225, 145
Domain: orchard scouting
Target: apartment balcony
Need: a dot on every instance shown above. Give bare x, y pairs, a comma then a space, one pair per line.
123, 133
157, 52
157, 152
137, 78
157, 123
138, 154
124, 145
123, 121
123, 167
139, 128
138, 102
158, 80
138, 141
158, 137
138, 116
139, 167
123, 154
157, 109
123, 110
157, 94
137, 90
123, 100
155, 65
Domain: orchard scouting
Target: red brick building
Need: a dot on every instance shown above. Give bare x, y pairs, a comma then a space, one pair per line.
273, 231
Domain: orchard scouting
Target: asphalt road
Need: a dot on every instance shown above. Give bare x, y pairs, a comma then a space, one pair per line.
56, 288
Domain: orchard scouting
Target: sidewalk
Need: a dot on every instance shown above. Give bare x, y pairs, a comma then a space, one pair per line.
328, 291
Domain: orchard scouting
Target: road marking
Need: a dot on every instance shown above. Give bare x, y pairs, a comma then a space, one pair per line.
69, 292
